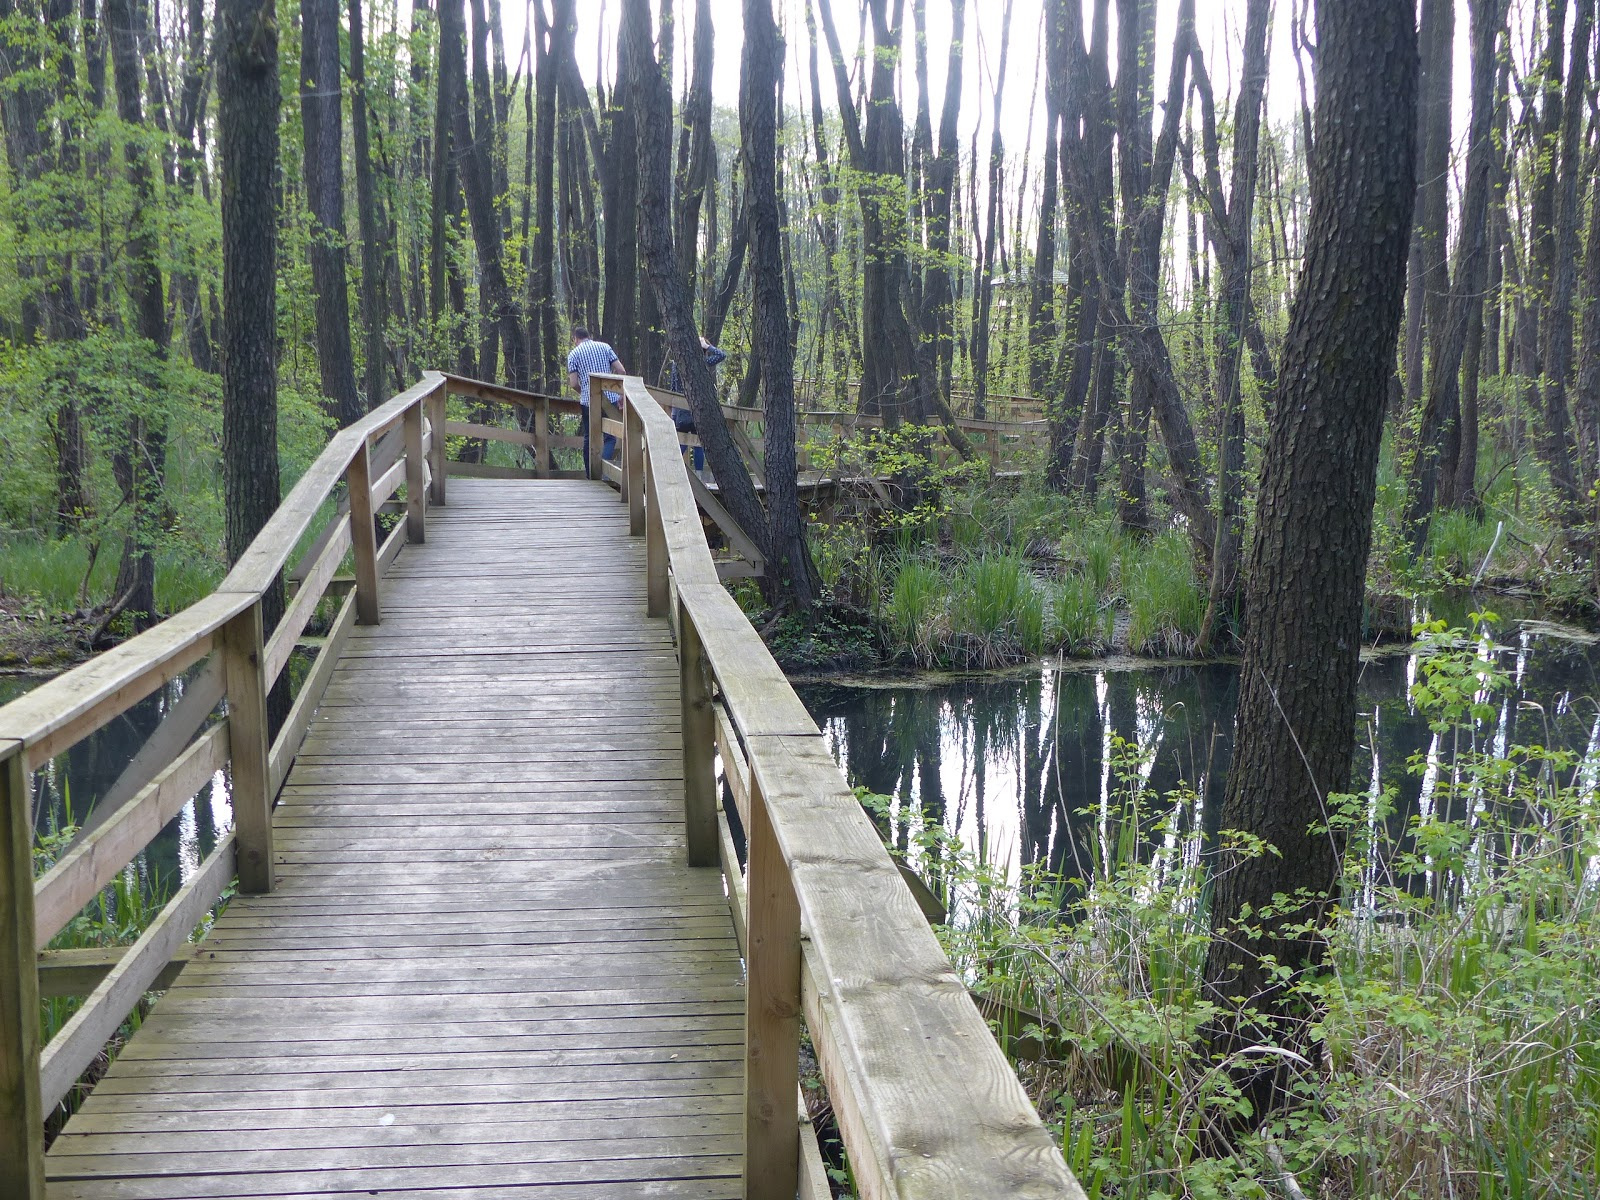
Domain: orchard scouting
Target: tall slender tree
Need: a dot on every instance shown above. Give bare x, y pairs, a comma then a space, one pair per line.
1297, 692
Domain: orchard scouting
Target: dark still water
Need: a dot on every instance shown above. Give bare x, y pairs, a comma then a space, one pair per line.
69, 790
1022, 767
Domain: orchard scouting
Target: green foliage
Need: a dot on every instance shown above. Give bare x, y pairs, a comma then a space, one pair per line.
1452, 1051
1166, 598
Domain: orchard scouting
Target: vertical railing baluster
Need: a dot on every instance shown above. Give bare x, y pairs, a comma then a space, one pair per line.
363, 536
541, 438
655, 545
596, 437
416, 497
249, 744
21, 1111
772, 1014
439, 455
699, 746
633, 460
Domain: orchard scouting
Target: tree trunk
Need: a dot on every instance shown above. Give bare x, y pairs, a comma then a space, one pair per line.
542, 276
247, 133
983, 297
373, 302
789, 579
1439, 443
1233, 219
321, 120
139, 462
653, 106
1292, 743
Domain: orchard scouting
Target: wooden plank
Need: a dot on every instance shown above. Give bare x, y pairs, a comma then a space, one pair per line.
247, 739
416, 476
387, 484
363, 537
96, 859
487, 471
60, 712
772, 1016
287, 743
492, 433
393, 543
72, 1050
699, 749
21, 1106
889, 997
78, 972
201, 694
304, 604
742, 544
438, 455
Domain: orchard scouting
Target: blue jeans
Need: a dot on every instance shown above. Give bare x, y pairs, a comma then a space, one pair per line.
608, 444
678, 415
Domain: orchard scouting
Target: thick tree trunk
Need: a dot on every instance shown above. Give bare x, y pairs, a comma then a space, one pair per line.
789, 579
983, 297
653, 106
697, 151
322, 122
619, 192
1439, 442
1232, 224
247, 130
1292, 745
374, 304
139, 461
542, 339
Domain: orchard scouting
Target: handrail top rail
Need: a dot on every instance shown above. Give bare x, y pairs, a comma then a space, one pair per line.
927, 1103
505, 394
818, 416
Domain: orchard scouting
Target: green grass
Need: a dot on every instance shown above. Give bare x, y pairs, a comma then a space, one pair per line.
997, 615
1076, 625
1165, 597
58, 574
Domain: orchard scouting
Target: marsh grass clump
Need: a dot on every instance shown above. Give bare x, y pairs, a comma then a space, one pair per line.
1451, 1042
1076, 625
1165, 597
997, 613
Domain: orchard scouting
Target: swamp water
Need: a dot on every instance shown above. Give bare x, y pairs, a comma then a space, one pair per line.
1027, 769
68, 789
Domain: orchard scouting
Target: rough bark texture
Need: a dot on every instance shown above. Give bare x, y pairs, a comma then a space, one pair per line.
1231, 222
654, 184
1439, 442
321, 121
139, 462
247, 127
788, 578
1308, 557
542, 340
373, 302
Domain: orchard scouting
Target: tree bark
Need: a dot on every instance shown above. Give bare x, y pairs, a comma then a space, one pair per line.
1232, 221
983, 298
374, 304
542, 276
1292, 743
653, 131
788, 580
322, 123
248, 100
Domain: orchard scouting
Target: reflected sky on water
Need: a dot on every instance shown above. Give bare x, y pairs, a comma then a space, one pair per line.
1022, 767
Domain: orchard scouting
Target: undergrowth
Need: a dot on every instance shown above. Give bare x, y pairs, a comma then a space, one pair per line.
1456, 1037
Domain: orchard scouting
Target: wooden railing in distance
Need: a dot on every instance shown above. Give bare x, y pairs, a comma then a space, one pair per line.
399, 443
927, 1104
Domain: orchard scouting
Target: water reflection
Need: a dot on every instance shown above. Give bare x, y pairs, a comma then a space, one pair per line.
1022, 768
68, 790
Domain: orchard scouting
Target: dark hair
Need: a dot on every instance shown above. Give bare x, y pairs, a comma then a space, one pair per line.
580, 333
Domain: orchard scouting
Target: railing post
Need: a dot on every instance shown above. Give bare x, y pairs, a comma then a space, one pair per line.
655, 547
240, 645
633, 470
541, 438
21, 1110
439, 454
772, 1015
591, 452
363, 537
699, 746
416, 499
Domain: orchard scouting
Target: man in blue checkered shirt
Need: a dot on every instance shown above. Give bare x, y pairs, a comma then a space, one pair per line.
589, 357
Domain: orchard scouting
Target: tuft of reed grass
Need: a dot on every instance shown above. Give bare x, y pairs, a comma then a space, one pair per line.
1166, 601
997, 614
1077, 625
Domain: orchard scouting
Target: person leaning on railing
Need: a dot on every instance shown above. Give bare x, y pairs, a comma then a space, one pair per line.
589, 357
682, 418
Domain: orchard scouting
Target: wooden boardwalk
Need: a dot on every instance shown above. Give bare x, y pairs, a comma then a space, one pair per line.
485, 969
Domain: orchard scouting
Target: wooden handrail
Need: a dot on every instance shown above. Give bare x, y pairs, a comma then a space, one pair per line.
926, 1102
226, 625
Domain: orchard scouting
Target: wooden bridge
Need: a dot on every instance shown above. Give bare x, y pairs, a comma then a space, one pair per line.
492, 935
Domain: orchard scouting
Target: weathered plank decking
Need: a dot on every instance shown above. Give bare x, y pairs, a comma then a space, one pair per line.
485, 965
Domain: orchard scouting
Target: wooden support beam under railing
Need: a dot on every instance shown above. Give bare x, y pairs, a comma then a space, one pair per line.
21, 1109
